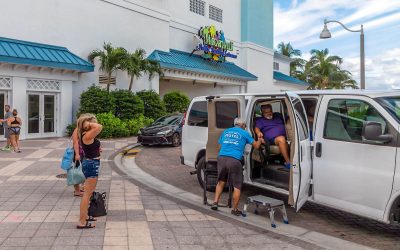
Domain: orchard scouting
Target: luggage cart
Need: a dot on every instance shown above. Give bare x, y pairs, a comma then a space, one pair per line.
270, 204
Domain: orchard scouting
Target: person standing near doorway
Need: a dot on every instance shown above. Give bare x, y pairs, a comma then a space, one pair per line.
7, 114
230, 168
14, 127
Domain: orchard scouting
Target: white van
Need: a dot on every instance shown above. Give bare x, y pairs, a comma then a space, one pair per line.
348, 160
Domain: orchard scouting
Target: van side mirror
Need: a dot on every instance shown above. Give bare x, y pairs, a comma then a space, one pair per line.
372, 131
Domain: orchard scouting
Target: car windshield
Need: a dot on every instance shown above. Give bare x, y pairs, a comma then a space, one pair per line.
167, 120
392, 105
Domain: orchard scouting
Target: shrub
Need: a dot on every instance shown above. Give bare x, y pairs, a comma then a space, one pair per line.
70, 129
112, 126
139, 122
153, 106
127, 105
176, 101
96, 100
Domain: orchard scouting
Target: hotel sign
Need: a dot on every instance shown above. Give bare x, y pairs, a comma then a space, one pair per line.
214, 45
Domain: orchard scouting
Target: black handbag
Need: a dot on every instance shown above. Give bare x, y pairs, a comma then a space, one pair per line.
97, 206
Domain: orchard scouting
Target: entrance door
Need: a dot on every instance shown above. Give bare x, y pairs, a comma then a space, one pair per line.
41, 115
3, 101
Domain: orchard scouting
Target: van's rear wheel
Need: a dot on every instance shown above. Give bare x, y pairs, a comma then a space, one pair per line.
200, 175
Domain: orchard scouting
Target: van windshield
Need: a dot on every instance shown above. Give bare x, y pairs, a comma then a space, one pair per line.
392, 105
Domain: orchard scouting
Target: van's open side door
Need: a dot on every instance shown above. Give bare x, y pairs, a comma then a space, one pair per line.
302, 162
222, 111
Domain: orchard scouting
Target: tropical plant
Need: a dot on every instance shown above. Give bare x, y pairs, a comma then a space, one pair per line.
136, 64
176, 101
127, 105
111, 59
323, 71
153, 105
96, 100
297, 65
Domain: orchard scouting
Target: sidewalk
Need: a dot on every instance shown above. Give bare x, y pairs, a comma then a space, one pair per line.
38, 210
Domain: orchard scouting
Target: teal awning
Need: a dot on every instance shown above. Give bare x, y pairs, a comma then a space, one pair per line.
42, 55
285, 78
175, 59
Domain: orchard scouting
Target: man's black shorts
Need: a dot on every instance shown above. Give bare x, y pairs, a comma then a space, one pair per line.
230, 169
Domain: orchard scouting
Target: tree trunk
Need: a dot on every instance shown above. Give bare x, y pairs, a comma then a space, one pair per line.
131, 84
108, 82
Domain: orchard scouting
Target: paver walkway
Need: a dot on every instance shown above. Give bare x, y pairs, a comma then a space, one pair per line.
38, 210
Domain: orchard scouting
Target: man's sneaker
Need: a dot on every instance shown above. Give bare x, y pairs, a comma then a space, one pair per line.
6, 148
214, 206
237, 212
288, 166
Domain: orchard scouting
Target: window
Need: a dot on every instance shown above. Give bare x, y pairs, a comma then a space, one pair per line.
276, 66
299, 112
197, 6
392, 105
215, 13
103, 80
345, 119
198, 115
226, 113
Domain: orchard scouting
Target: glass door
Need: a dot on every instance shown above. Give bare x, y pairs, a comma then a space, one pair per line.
49, 108
34, 114
41, 115
2, 103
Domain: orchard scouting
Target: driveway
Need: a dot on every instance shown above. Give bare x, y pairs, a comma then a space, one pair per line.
163, 163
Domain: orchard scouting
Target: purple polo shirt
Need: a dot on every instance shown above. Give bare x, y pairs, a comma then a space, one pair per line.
271, 128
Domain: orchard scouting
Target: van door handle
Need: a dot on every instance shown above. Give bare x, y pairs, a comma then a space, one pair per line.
318, 149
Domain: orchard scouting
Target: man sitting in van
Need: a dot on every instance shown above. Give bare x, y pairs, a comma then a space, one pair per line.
232, 143
271, 127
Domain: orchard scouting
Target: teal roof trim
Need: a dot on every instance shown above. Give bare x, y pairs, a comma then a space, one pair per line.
180, 60
285, 78
43, 55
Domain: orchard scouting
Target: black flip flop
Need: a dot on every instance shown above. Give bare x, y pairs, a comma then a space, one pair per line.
91, 218
88, 225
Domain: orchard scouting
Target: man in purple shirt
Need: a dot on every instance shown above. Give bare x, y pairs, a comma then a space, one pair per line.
271, 127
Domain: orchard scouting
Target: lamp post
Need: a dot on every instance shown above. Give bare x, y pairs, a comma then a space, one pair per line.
327, 34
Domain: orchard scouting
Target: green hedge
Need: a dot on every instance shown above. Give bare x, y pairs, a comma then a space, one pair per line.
176, 101
153, 105
96, 100
127, 105
115, 127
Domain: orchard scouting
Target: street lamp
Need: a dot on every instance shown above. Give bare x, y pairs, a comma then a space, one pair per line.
327, 34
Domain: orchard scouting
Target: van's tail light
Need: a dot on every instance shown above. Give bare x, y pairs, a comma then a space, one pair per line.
184, 118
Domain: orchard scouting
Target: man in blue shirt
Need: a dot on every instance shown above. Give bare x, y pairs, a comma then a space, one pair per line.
232, 143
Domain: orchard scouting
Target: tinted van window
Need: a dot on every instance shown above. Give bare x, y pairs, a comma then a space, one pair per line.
345, 119
198, 115
226, 113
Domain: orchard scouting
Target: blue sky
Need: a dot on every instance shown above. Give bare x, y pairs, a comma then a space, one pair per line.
301, 21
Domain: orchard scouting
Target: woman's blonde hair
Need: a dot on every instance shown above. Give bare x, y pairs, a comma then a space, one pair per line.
87, 117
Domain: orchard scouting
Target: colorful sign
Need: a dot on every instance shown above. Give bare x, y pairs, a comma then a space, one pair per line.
214, 45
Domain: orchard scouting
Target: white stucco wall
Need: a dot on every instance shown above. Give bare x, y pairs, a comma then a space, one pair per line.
197, 89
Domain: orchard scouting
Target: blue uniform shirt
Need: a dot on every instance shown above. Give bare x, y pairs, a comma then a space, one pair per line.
233, 140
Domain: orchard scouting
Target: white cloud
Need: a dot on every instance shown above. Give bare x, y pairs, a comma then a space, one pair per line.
381, 72
302, 24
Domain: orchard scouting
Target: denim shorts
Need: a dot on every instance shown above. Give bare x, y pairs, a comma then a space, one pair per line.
91, 168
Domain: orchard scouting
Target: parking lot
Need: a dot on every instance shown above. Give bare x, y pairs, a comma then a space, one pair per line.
163, 163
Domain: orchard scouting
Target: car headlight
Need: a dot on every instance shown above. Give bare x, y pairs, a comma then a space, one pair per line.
139, 132
166, 132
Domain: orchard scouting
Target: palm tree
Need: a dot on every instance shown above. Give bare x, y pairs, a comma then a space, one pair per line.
297, 65
136, 64
111, 59
323, 71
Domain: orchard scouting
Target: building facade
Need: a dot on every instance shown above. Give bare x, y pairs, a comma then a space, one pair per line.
43, 67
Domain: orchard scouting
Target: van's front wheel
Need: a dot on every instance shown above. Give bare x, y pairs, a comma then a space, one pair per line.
200, 175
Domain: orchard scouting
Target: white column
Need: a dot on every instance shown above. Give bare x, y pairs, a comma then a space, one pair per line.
19, 102
65, 112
